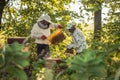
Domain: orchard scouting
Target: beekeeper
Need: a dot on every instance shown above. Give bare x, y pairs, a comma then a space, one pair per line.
78, 40
40, 32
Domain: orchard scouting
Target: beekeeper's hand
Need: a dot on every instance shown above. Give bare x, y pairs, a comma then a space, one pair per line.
69, 51
60, 26
43, 37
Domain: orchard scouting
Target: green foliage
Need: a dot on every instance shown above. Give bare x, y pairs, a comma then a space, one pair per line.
21, 15
48, 73
92, 5
13, 61
100, 61
112, 43
58, 50
37, 66
88, 64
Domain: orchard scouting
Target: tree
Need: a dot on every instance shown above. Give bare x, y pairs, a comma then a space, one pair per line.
95, 7
2, 5
97, 23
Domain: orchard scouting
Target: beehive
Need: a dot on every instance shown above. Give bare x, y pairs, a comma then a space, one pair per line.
20, 40
15, 39
56, 37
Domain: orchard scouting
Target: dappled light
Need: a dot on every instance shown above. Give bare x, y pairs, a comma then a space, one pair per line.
59, 40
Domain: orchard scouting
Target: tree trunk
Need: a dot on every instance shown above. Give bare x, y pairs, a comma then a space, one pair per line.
97, 24
2, 5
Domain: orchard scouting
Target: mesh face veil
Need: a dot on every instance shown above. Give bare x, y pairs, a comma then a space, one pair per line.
43, 26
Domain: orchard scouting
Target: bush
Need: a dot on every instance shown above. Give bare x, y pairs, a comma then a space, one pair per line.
13, 61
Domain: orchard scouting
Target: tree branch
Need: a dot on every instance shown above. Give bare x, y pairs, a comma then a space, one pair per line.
7, 1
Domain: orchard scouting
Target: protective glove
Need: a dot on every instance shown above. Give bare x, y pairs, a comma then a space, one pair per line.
59, 26
43, 37
71, 51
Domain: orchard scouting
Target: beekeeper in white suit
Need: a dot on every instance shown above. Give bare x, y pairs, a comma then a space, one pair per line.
40, 32
78, 40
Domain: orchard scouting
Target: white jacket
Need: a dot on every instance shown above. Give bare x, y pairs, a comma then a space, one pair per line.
37, 32
78, 41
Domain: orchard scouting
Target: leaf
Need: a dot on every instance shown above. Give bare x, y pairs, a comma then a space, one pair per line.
97, 70
48, 74
96, 61
26, 54
88, 55
78, 61
78, 68
8, 50
17, 47
78, 76
17, 73
23, 63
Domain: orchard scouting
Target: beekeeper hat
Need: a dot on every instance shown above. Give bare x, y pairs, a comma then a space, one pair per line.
45, 17
70, 25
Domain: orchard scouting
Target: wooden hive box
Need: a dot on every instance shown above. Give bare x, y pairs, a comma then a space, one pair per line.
20, 40
56, 37
15, 39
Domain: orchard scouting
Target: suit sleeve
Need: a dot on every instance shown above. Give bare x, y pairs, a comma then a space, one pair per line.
53, 26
